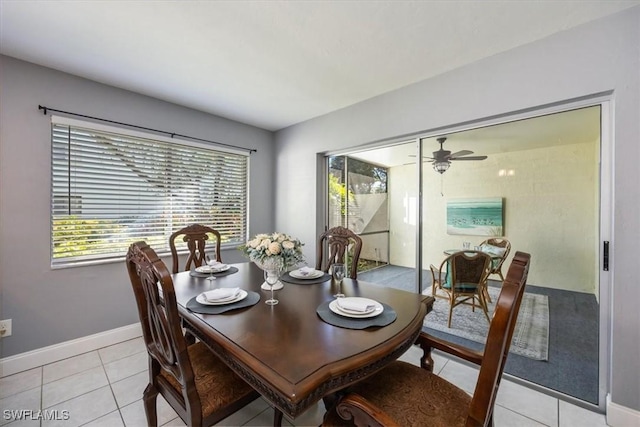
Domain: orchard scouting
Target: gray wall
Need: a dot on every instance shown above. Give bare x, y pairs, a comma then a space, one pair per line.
598, 57
51, 306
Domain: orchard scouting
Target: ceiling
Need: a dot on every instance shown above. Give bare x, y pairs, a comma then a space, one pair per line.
273, 64
569, 127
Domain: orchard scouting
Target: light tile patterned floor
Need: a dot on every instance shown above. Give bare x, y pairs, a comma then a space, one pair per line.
104, 388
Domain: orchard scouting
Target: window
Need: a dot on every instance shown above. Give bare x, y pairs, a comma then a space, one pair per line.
111, 187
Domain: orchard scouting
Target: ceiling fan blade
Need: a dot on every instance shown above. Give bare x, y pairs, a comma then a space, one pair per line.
461, 153
431, 159
469, 158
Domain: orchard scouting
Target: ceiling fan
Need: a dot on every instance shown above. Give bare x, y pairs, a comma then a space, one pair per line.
442, 158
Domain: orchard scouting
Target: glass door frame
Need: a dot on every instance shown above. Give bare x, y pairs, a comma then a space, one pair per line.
605, 225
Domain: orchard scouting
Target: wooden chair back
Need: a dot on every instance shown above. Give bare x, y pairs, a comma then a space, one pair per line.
196, 237
163, 337
333, 246
498, 342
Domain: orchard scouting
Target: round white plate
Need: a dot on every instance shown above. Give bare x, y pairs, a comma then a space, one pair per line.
241, 295
313, 275
206, 269
333, 306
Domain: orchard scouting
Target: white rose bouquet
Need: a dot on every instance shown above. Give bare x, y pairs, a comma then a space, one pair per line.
276, 247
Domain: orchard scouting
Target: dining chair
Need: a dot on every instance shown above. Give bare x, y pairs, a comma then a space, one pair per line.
334, 244
496, 247
463, 278
196, 237
403, 394
198, 386
437, 278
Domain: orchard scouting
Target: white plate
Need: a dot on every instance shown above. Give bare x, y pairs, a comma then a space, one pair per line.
313, 275
333, 306
206, 269
242, 294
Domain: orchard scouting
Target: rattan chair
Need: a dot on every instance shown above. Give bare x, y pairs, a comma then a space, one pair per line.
196, 237
403, 394
503, 247
197, 385
334, 244
463, 278
436, 281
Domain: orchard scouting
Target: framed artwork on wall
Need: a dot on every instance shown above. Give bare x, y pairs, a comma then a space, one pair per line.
475, 217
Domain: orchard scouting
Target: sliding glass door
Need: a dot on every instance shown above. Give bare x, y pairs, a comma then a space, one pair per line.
374, 193
534, 182
358, 200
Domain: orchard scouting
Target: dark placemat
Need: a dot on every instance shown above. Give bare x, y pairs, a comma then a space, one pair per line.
194, 306
286, 277
385, 318
231, 270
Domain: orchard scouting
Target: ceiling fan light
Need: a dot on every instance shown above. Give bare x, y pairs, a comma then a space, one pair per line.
441, 167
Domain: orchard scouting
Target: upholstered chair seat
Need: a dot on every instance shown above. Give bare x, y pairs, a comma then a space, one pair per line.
412, 396
212, 379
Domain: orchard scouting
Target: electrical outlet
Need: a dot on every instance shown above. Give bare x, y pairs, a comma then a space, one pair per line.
5, 328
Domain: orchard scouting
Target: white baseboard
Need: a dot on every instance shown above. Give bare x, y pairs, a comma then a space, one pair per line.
621, 416
42, 356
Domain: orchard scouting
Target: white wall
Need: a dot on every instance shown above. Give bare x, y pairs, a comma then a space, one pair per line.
52, 306
550, 210
596, 58
403, 220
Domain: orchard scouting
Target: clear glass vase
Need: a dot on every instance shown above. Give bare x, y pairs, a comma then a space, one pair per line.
273, 267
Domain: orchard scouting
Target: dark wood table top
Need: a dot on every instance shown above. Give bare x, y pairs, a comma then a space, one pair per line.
290, 355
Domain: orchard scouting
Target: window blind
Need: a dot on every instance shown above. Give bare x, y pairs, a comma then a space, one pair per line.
111, 189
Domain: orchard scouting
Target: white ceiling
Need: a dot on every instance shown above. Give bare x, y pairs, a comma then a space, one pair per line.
275, 63
568, 127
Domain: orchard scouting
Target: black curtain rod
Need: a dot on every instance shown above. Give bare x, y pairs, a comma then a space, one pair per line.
171, 134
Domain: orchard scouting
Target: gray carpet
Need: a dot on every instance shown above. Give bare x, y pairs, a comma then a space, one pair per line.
572, 365
531, 335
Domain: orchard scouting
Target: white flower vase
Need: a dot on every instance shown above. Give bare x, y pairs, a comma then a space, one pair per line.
271, 269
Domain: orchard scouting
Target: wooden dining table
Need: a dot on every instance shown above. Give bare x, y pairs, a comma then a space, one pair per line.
286, 351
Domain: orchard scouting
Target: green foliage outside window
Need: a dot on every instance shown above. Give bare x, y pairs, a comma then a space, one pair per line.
338, 192
72, 238
78, 237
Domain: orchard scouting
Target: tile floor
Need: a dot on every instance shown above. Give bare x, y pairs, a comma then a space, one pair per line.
104, 388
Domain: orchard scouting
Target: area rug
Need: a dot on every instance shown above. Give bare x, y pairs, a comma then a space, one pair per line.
530, 338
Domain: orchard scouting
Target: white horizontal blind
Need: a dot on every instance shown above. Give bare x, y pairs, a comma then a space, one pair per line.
110, 189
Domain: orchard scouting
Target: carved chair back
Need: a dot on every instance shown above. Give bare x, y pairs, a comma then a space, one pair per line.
196, 237
333, 246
